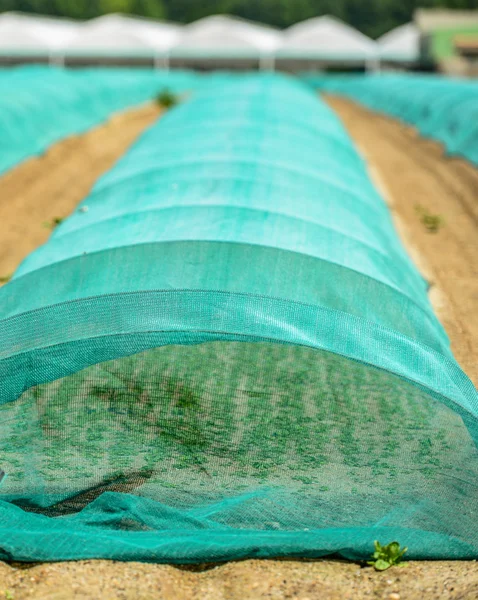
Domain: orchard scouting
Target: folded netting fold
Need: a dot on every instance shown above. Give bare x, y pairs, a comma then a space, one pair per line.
226, 352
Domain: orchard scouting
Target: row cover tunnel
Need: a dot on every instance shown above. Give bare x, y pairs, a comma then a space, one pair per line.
226, 352
442, 109
40, 106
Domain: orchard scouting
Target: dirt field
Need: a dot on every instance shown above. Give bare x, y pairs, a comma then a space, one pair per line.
51, 185
247, 580
411, 172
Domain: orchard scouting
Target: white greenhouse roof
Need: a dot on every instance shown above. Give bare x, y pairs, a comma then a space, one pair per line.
401, 44
28, 33
116, 34
223, 35
326, 38
218, 36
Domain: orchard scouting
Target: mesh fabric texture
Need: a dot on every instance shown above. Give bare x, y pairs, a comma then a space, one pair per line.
42, 105
226, 352
441, 108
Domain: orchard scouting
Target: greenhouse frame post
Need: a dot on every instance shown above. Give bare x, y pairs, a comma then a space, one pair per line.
161, 61
372, 65
57, 60
267, 62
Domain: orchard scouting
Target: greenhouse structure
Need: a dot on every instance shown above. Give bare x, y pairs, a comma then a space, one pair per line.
325, 40
217, 41
118, 36
401, 45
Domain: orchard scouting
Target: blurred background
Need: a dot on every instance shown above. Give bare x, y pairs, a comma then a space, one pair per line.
290, 35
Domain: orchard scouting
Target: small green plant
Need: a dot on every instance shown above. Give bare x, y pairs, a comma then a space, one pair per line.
167, 99
431, 222
5, 278
8, 595
387, 556
53, 223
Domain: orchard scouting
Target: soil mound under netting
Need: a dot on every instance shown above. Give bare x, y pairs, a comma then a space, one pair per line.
225, 352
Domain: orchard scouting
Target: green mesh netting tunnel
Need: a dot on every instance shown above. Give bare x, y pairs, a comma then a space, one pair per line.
40, 105
225, 352
441, 108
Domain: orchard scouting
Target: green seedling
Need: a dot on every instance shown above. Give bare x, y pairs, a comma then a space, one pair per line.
431, 222
8, 595
53, 223
387, 556
167, 99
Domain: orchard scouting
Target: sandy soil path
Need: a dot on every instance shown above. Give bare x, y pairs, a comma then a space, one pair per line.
51, 185
414, 173
411, 172
247, 580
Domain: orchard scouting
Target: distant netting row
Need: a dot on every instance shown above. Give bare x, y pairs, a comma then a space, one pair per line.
443, 109
42, 105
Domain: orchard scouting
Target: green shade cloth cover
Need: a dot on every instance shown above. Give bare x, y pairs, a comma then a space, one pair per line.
225, 352
42, 105
441, 108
